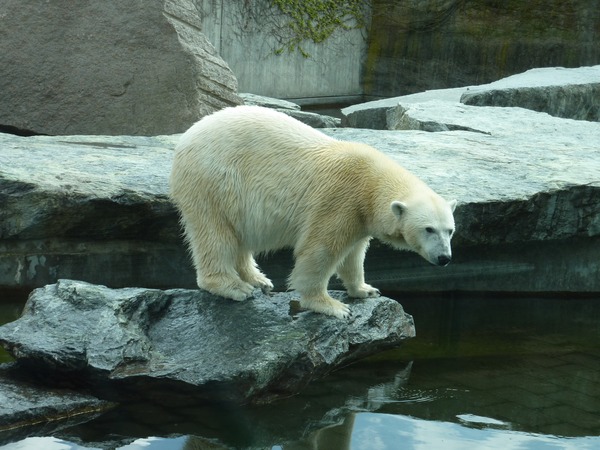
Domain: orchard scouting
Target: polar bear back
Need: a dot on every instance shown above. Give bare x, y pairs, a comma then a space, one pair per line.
244, 124
269, 176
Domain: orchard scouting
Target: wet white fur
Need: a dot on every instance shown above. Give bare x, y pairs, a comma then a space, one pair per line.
248, 180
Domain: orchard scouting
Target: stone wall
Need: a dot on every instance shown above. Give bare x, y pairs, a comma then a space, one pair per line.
244, 35
412, 46
419, 45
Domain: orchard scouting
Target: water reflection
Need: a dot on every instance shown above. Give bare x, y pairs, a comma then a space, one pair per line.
391, 432
496, 374
361, 431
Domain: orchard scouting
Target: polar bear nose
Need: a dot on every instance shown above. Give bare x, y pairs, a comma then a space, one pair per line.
444, 260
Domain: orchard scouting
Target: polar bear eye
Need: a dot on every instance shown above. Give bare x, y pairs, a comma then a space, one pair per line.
429, 230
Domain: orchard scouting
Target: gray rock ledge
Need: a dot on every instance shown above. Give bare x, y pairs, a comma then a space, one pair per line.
96, 208
292, 109
560, 92
187, 343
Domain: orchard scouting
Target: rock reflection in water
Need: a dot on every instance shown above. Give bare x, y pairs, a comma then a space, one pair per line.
322, 413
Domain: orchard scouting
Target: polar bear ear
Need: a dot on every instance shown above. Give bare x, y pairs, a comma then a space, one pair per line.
398, 208
452, 204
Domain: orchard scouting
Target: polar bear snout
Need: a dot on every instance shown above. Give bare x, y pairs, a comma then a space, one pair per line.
444, 260
435, 247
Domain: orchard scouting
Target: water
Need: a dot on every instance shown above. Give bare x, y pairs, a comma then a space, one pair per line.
484, 373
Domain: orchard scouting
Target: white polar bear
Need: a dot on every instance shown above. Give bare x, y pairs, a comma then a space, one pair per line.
249, 180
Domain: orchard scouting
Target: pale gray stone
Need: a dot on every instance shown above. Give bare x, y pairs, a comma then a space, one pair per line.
268, 102
560, 92
293, 110
566, 93
313, 119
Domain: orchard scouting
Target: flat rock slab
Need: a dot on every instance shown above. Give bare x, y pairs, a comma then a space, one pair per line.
441, 115
96, 208
193, 343
560, 92
54, 186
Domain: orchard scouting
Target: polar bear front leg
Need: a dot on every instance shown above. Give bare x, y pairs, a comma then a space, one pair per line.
351, 272
310, 276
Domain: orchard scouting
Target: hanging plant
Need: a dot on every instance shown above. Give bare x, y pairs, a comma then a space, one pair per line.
316, 20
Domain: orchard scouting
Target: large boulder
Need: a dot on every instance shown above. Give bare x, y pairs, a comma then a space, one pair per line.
110, 67
191, 343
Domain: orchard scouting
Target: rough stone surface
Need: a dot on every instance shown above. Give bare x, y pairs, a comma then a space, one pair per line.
111, 67
26, 405
51, 186
435, 116
313, 119
200, 345
568, 93
418, 45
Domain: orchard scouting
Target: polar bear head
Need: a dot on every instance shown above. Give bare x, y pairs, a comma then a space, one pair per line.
424, 224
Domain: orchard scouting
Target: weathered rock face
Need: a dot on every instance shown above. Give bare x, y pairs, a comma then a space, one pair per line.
192, 343
568, 93
419, 45
268, 102
112, 67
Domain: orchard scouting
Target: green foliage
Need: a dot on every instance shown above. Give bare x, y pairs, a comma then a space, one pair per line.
317, 20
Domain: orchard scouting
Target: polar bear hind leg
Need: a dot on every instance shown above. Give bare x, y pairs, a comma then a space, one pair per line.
215, 256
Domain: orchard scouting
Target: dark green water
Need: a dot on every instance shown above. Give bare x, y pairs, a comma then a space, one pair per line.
484, 373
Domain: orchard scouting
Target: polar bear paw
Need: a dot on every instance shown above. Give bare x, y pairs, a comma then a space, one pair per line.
363, 291
231, 288
263, 283
326, 305
256, 278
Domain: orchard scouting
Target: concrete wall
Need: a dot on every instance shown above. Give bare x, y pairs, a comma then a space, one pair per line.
244, 35
413, 46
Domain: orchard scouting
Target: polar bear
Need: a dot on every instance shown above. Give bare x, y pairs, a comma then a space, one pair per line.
249, 179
